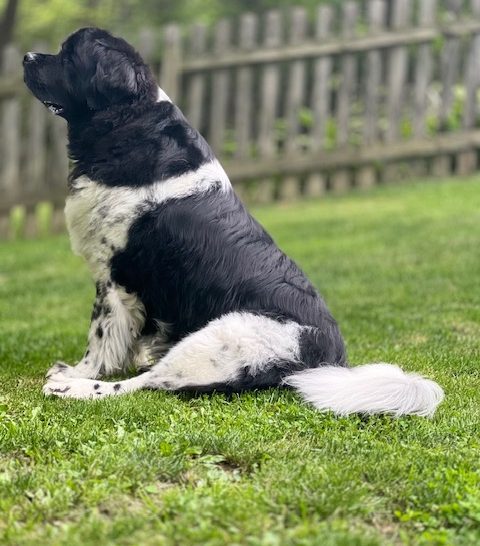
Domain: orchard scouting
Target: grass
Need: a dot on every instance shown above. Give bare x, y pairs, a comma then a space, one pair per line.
400, 269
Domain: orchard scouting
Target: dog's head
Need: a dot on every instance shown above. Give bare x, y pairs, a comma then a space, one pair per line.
92, 72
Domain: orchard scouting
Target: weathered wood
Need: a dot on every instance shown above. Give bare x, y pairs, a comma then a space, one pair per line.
347, 75
448, 143
423, 69
366, 177
335, 47
395, 172
36, 149
315, 185
220, 88
449, 65
289, 188
36, 153
397, 62
4, 226
322, 69
196, 85
376, 18
244, 89
58, 166
58, 220
10, 126
296, 80
341, 180
147, 43
466, 162
270, 88
264, 191
440, 166
269, 98
10, 86
472, 76
171, 62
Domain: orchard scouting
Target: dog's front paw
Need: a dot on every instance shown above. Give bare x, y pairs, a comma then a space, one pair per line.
77, 388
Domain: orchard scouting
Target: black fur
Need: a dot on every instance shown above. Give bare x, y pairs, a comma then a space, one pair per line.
191, 260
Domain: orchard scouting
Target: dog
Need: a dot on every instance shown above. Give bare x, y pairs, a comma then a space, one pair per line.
190, 289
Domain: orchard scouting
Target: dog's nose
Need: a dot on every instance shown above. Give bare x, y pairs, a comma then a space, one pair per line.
29, 57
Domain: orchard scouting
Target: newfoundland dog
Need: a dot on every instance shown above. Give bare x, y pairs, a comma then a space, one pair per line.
191, 290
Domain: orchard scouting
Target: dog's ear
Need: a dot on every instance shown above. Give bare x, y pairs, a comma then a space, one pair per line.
115, 79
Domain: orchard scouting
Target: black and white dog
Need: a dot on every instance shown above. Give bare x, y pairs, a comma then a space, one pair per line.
189, 286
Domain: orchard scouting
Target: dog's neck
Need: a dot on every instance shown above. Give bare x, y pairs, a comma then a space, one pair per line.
104, 145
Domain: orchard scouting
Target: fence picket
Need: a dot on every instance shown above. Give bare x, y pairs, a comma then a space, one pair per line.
196, 86
423, 70
171, 62
244, 94
322, 69
449, 65
269, 98
36, 152
366, 176
376, 20
316, 183
220, 88
270, 88
397, 74
347, 76
290, 185
10, 130
342, 179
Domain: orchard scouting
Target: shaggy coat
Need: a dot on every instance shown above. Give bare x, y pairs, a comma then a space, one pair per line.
190, 288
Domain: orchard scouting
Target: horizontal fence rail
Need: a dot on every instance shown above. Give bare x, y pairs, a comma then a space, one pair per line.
295, 103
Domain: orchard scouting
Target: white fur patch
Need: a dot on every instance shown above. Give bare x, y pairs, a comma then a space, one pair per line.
217, 353
99, 217
162, 96
223, 348
372, 388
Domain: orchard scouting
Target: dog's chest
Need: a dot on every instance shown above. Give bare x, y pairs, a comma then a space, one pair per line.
98, 219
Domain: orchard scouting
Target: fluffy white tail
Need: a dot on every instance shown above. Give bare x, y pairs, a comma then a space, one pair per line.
372, 388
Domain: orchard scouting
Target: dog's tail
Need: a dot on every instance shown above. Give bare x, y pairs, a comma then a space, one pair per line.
372, 388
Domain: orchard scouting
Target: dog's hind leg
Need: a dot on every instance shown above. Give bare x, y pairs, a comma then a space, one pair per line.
235, 352
117, 319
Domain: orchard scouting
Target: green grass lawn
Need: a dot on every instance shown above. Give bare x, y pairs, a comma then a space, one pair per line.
400, 269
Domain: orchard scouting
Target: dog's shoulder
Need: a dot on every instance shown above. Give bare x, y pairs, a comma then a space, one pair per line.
99, 216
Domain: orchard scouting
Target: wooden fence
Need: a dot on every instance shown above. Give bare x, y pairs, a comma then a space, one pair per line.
294, 103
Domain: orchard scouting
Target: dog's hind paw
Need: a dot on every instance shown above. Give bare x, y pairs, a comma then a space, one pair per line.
59, 368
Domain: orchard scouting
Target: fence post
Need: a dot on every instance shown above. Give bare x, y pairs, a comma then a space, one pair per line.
171, 62
269, 98
196, 87
366, 175
290, 185
316, 183
467, 160
10, 129
341, 179
220, 87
